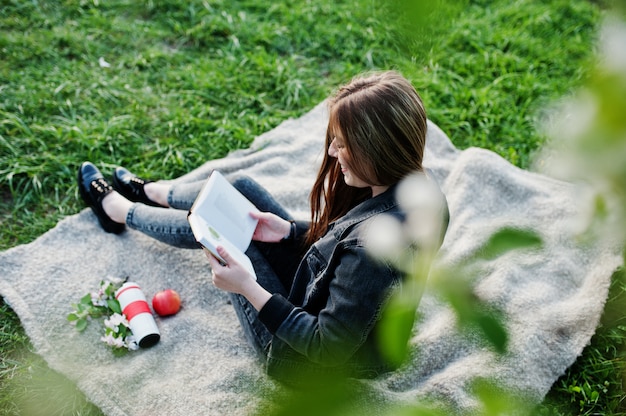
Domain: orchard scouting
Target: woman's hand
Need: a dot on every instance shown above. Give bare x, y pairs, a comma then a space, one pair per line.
231, 277
234, 278
271, 228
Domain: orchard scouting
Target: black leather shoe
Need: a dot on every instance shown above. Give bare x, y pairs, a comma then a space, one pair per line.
93, 188
131, 186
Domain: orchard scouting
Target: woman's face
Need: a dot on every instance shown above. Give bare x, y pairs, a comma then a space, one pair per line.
337, 150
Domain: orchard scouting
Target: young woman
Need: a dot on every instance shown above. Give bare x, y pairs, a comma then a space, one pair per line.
318, 295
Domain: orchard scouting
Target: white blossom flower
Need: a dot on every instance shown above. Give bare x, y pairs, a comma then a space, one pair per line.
107, 339
98, 299
116, 281
384, 237
131, 343
114, 322
587, 141
423, 203
113, 341
117, 332
103, 63
612, 41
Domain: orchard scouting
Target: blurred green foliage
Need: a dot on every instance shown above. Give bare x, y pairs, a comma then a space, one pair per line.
190, 81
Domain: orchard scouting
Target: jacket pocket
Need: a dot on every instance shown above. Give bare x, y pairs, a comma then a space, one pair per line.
317, 265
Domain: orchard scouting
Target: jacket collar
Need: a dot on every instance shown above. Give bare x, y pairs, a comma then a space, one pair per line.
366, 209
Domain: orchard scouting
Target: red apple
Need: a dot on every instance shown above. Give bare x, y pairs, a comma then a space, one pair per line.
166, 302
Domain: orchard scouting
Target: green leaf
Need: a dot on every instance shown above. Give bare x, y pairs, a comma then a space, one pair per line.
86, 300
494, 331
473, 313
507, 239
72, 317
110, 290
81, 324
122, 331
395, 328
119, 352
497, 400
114, 305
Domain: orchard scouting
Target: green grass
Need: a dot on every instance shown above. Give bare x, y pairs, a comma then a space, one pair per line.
192, 80
594, 384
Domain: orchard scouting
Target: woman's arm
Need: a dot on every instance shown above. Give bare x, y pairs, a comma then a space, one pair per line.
349, 304
232, 277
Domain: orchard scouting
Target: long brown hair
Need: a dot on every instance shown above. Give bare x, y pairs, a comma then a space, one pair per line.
382, 120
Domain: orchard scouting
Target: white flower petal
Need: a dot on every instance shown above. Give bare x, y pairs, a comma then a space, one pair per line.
384, 237
103, 63
423, 203
612, 41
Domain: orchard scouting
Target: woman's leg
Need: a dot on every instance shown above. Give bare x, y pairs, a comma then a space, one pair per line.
282, 257
274, 264
183, 195
254, 330
168, 225
177, 196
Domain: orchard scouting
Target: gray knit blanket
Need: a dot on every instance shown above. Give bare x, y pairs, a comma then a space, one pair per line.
552, 298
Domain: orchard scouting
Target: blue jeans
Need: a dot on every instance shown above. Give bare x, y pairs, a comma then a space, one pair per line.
274, 263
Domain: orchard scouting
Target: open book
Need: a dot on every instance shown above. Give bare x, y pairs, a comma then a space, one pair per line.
220, 216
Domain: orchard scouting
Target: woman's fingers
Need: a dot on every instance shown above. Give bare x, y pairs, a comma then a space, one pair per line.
230, 261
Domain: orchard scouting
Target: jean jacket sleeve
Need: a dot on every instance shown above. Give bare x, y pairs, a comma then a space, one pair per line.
352, 291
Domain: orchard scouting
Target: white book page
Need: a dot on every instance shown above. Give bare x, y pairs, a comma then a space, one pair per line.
226, 211
221, 216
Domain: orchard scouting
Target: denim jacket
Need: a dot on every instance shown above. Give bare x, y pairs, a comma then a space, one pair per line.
327, 323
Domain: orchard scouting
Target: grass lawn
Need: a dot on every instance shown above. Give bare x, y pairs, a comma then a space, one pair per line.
162, 86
